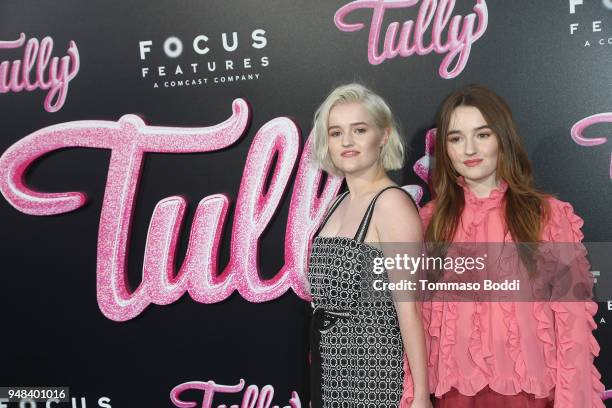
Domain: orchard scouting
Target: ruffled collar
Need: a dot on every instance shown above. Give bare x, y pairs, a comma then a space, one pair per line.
495, 196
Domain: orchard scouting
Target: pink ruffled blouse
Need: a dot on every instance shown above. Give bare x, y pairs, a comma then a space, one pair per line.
542, 348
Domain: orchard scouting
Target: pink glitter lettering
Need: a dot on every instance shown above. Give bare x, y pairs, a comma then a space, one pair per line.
580, 126
129, 139
252, 398
409, 39
15, 76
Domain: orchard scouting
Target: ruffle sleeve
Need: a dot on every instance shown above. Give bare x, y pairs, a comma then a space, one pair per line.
426, 212
577, 380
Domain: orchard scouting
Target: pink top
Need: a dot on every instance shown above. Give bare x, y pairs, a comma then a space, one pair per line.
542, 348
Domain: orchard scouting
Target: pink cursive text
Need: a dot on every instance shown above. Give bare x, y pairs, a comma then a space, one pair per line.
252, 398
580, 126
129, 139
409, 38
52, 74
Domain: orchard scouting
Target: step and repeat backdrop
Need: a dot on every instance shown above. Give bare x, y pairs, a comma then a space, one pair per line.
158, 194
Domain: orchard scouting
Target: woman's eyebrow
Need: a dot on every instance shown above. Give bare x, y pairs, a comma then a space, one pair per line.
453, 131
351, 124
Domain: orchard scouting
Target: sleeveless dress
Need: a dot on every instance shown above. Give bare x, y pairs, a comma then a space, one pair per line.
356, 345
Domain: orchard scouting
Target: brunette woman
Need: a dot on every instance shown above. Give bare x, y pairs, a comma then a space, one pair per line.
509, 354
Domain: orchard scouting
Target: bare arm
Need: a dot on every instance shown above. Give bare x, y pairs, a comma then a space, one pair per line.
397, 221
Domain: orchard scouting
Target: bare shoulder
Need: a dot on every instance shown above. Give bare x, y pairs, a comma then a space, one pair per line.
396, 217
395, 201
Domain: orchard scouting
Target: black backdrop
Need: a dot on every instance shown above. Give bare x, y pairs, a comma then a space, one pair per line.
53, 332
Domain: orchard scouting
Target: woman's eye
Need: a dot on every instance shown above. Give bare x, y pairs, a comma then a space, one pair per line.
334, 134
483, 135
454, 139
360, 130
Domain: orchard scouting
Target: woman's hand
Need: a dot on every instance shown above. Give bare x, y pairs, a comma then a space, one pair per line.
423, 402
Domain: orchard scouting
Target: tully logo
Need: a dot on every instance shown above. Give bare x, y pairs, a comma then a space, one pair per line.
411, 37
129, 139
163, 282
50, 74
253, 397
580, 126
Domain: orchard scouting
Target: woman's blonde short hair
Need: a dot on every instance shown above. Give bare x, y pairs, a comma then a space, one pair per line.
392, 154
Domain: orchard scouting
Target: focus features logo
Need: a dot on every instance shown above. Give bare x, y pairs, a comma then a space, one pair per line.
204, 60
592, 32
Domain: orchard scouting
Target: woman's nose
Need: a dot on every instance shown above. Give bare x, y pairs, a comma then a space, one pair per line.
470, 148
347, 139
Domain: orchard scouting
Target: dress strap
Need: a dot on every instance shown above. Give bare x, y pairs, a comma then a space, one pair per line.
333, 207
365, 222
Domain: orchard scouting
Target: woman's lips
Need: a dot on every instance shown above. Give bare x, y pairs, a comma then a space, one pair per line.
350, 153
472, 163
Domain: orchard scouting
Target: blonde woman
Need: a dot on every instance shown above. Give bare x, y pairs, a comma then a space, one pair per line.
358, 344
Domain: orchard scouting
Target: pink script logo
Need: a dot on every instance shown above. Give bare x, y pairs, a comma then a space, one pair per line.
129, 139
409, 39
252, 398
52, 74
580, 126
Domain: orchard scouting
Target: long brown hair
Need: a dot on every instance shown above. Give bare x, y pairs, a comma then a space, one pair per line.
525, 207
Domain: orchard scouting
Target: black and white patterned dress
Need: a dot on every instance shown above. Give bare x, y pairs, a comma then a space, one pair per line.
356, 346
